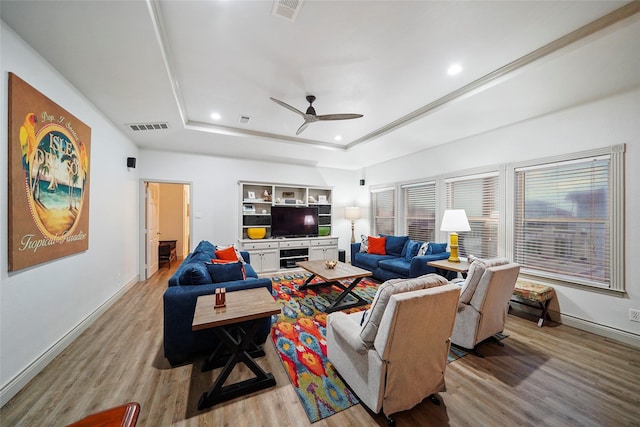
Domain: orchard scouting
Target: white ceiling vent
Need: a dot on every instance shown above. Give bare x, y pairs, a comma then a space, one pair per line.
148, 126
287, 9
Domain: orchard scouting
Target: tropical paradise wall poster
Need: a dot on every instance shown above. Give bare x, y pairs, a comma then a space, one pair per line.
48, 179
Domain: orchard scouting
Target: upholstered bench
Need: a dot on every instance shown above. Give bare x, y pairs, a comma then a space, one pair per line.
535, 293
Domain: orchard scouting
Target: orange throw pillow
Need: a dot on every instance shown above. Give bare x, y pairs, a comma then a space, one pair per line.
222, 261
227, 254
376, 245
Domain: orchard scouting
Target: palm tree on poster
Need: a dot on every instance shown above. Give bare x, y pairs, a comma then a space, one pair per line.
45, 157
72, 170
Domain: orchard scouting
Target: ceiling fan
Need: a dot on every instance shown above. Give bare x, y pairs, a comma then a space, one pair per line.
310, 116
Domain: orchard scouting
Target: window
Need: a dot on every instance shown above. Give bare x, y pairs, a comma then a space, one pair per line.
478, 195
383, 203
420, 211
563, 226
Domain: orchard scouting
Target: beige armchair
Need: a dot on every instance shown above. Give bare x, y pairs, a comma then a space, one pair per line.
394, 355
484, 301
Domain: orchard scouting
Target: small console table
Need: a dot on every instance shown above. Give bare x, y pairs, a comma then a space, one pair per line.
167, 252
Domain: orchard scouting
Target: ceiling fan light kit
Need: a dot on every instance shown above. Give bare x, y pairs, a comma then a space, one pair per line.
310, 115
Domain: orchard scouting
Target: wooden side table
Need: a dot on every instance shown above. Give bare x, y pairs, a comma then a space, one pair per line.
443, 265
241, 306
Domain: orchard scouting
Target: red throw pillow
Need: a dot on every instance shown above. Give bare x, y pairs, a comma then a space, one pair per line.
377, 245
228, 254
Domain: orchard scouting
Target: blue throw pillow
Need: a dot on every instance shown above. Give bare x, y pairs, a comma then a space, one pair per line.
206, 247
194, 274
201, 256
394, 244
226, 272
403, 254
412, 249
436, 248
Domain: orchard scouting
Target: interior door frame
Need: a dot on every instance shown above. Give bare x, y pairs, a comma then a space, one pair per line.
152, 227
142, 238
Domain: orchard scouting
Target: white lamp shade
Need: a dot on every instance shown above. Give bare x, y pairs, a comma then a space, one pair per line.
308, 220
352, 213
455, 220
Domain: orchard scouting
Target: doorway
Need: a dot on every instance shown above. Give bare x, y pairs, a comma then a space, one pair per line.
165, 216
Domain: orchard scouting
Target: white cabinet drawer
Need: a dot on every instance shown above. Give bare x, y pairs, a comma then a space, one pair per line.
296, 244
262, 245
324, 242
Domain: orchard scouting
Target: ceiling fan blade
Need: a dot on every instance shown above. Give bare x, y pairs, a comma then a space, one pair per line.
287, 106
310, 116
339, 116
302, 128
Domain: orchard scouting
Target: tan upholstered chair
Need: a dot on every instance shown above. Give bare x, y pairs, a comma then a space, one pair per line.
484, 301
395, 355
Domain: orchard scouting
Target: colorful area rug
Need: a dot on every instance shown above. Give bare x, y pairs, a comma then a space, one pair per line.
298, 335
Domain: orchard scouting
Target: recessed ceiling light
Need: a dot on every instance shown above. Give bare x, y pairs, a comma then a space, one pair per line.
454, 69
337, 138
215, 116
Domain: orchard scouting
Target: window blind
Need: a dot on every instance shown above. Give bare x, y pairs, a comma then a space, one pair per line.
420, 211
383, 203
561, 219
478, 195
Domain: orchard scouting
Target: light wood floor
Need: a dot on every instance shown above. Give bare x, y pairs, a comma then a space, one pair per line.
550, 376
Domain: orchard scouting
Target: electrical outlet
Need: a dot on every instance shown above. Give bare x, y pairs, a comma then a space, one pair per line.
634, 315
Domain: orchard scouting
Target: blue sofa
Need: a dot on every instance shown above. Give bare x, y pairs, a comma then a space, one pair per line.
401, 260
191, 280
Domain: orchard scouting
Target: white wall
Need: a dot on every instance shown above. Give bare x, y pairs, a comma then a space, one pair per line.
607, 122
215, 198
43, 307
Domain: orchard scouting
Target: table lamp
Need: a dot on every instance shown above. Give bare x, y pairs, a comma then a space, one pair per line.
352, 213
454, 220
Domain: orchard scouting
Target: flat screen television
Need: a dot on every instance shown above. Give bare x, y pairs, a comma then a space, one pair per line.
294, 221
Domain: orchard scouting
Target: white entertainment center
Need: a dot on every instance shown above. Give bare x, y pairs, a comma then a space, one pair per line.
277, 250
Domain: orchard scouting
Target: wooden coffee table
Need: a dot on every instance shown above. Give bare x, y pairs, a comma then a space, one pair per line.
241, 306
332, 277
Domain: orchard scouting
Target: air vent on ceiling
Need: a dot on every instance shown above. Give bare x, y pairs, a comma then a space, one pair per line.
148, 126
287, 9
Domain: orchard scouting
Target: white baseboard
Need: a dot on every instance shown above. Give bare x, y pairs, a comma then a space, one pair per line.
18, 382
605, 331
584, 325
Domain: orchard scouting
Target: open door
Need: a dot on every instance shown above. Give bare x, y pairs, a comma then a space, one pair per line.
152, 226
164, 215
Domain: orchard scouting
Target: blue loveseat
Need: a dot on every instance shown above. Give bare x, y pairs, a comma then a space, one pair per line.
401, 259
191, 280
